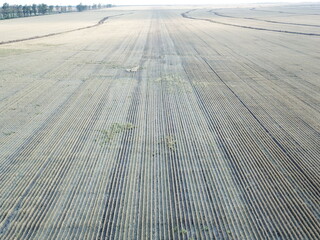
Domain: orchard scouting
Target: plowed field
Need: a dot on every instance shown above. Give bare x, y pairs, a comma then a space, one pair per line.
161, 123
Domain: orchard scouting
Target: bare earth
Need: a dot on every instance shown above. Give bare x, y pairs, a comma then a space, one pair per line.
161, 123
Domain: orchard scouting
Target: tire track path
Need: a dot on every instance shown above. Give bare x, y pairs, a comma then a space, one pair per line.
185, 15
102, 21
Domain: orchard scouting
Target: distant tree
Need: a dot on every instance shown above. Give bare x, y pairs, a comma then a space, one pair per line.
81, 7
34, 9
6, 10
12, 11
45, 8
58, 8
42, 8
39, 9
19, 11
29, 8
25, 11
51, 7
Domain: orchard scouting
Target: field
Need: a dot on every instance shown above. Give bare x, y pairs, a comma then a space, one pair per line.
161, 123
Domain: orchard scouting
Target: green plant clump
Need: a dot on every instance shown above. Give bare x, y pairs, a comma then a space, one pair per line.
114, 130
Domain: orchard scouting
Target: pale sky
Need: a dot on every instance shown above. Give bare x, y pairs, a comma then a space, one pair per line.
144, 2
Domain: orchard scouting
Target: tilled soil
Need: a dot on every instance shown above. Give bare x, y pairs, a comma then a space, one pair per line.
163, 123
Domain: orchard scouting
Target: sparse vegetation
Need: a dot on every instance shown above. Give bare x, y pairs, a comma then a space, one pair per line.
205, 228
115, 129
183, 231
174, 83
170, 142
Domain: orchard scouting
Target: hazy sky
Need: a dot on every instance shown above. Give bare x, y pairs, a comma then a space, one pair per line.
142, 2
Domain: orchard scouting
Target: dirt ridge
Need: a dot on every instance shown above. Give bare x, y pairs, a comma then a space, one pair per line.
185, 15
102, 21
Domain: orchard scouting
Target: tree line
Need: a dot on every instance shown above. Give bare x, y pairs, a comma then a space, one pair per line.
16, 11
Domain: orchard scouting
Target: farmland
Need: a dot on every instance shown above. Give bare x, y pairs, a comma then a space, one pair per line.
161, 123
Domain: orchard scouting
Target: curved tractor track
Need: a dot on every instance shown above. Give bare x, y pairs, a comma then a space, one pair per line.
102, 21
155, 126
263, 20
283, 12
185, 15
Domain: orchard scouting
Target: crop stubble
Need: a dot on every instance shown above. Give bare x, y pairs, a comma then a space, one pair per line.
156, 125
